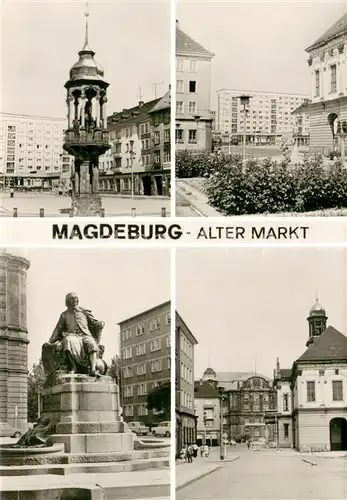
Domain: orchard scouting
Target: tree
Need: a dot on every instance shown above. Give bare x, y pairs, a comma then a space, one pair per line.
114, 370
159, 399
36, 380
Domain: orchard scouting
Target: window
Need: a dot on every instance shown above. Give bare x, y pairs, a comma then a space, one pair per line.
192, 136
168, 319
129, 411
179, 107
285, 402
154, 324
156, 138
286, 430
167, 156
128, 391
143, 409
156, 366
141, 369
193, 66
337, 390
333, 85
166, 135
192, 108
127, 353
192, 86
155, 345
140, 349
128, 372
180, 86
140, 329
179, 136
141, 389
179, 64
311, 392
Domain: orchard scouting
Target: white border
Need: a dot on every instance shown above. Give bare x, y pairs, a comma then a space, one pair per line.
173, 374
173, 107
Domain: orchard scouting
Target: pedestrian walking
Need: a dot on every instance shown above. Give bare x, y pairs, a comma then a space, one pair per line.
195, 450
190, 454
201, 451
206, 450
12, 193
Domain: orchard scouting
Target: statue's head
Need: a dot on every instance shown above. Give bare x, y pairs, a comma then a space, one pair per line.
71, 299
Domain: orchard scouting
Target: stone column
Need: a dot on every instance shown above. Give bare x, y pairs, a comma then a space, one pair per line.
98, 111
13, 340
104, 113
83, 104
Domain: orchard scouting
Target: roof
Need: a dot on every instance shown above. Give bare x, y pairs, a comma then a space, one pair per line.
164, 103
337, 29
159, 306
285, 373
186, 45
205, 390
179, 320
229, 380
135, 114
330, 346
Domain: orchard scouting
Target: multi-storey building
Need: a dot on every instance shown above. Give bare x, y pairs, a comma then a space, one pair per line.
247, 401
193, 94
207, 411
145, 360
31, 152
267, 117
328, 106
312, 395
139, 159
185, 412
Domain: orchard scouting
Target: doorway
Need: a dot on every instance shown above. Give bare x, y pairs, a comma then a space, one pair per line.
338, 434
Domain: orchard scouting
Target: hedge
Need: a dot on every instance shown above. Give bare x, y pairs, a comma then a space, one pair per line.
264, 185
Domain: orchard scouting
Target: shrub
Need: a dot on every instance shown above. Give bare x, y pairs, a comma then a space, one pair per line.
266, 186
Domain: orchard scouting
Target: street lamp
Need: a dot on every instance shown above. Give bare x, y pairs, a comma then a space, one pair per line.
222, 445
131, 151
244, 99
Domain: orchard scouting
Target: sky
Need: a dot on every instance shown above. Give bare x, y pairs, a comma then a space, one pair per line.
41, 41
258, 45
248, 306
114, 284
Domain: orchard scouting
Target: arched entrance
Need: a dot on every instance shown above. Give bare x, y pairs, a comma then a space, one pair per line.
338, 434
332, 120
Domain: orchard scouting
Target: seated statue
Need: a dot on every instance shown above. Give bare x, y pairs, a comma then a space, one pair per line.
38, 436
74, 344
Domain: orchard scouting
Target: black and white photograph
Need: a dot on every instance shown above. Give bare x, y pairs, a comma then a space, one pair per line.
261, 108
85, 119
85, 374
262, 373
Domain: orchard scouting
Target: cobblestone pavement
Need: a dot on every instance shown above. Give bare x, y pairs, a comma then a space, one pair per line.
271, 476
29, 204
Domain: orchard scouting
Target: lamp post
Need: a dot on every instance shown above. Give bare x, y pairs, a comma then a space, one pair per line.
244, 99
131, 151
222, 445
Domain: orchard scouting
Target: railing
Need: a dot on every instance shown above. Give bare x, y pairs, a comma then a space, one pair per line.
69, 213
84, 137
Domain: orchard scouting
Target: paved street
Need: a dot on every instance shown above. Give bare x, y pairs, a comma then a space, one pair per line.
268, 475
29, 204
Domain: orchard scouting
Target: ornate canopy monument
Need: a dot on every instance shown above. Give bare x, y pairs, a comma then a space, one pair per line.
86, 137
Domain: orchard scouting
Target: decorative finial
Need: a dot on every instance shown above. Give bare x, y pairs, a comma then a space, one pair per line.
86, 14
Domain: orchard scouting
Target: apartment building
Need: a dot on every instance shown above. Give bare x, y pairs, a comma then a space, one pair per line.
139, 159
268, 116
145, 346
31, 152
207, 410
193, 94
184, 385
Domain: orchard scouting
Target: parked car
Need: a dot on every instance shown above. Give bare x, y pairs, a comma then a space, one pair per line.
6, 430
138, 428
162, 429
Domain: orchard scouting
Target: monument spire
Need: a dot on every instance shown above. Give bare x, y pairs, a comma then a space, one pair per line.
86, 15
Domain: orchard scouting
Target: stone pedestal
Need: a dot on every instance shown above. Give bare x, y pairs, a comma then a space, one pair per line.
86, 414
86, 205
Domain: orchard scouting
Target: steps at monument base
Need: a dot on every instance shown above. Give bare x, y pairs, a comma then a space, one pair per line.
126, 486
86, 468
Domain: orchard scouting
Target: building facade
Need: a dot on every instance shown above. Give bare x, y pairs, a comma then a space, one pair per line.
145, 346
248, 401
267, 118
184, 385
313, 394
31, 153
139, 159
193, 94
13, 340
327, 60
207, 410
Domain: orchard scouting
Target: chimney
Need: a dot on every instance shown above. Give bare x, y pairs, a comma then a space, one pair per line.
177, 24
141, 103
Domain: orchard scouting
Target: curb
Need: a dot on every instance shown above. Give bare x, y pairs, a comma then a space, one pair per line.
191, 481
308, 461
